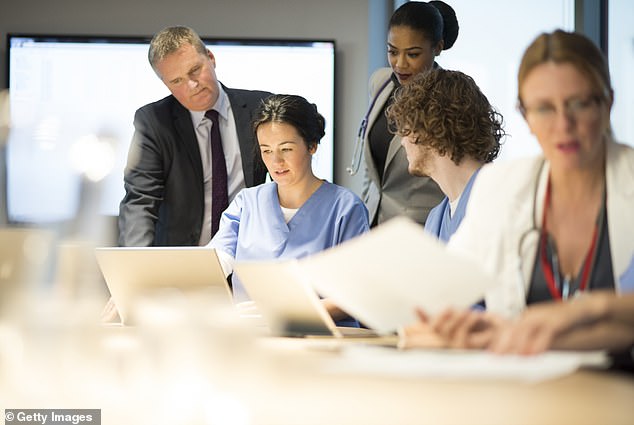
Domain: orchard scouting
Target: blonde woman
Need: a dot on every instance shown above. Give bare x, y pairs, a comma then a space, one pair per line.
553, 227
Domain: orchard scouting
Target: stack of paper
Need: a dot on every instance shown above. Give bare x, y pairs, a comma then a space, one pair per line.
381, 277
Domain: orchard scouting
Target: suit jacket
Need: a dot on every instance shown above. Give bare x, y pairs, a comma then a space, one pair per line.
163, 180
501, 227
399, 193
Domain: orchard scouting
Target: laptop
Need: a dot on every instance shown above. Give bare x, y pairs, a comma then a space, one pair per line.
289, 306
134, 274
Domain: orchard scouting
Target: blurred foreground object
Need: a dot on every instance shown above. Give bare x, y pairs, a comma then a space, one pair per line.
25, 261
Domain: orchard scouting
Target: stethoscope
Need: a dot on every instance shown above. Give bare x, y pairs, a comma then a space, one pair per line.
357, 154
564, 286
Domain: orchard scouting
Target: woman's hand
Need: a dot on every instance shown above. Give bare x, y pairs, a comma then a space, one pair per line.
541, 325
420, 334
465, 329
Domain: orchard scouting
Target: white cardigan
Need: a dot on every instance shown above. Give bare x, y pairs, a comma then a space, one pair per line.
505, 209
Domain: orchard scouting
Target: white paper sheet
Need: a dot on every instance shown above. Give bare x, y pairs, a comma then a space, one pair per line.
382, 276
460, 364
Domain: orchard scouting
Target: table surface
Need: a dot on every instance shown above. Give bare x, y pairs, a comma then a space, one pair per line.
146, 377
587, 396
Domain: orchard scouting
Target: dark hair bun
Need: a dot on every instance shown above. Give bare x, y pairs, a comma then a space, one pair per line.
450, 21
320, 123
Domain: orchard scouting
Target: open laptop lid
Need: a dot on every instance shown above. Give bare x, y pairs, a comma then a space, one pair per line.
132, 273
288, 305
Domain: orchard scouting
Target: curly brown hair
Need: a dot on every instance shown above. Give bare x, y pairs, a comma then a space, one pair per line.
448, 113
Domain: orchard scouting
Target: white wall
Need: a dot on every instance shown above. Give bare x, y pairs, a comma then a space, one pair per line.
345, 21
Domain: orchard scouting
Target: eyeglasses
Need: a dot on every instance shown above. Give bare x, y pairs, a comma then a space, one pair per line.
576, 108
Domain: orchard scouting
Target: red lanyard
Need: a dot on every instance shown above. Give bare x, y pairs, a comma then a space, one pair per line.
546, 265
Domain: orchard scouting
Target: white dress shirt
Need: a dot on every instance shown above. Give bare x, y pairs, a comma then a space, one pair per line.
231, 148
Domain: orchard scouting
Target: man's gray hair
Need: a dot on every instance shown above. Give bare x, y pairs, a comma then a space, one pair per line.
169, 40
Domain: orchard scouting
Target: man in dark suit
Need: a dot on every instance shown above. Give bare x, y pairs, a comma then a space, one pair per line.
167, 180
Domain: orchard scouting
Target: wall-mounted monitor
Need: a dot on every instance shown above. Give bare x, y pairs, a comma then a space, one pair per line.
68, 90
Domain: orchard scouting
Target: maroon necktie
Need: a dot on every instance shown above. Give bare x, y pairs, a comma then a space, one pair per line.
219, 196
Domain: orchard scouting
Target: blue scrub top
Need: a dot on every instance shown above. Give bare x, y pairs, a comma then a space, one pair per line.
253, 226
440, 222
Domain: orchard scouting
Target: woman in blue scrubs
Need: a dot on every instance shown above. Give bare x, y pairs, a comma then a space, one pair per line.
297, 214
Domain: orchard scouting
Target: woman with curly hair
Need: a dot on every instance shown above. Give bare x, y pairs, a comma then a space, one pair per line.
448, 130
